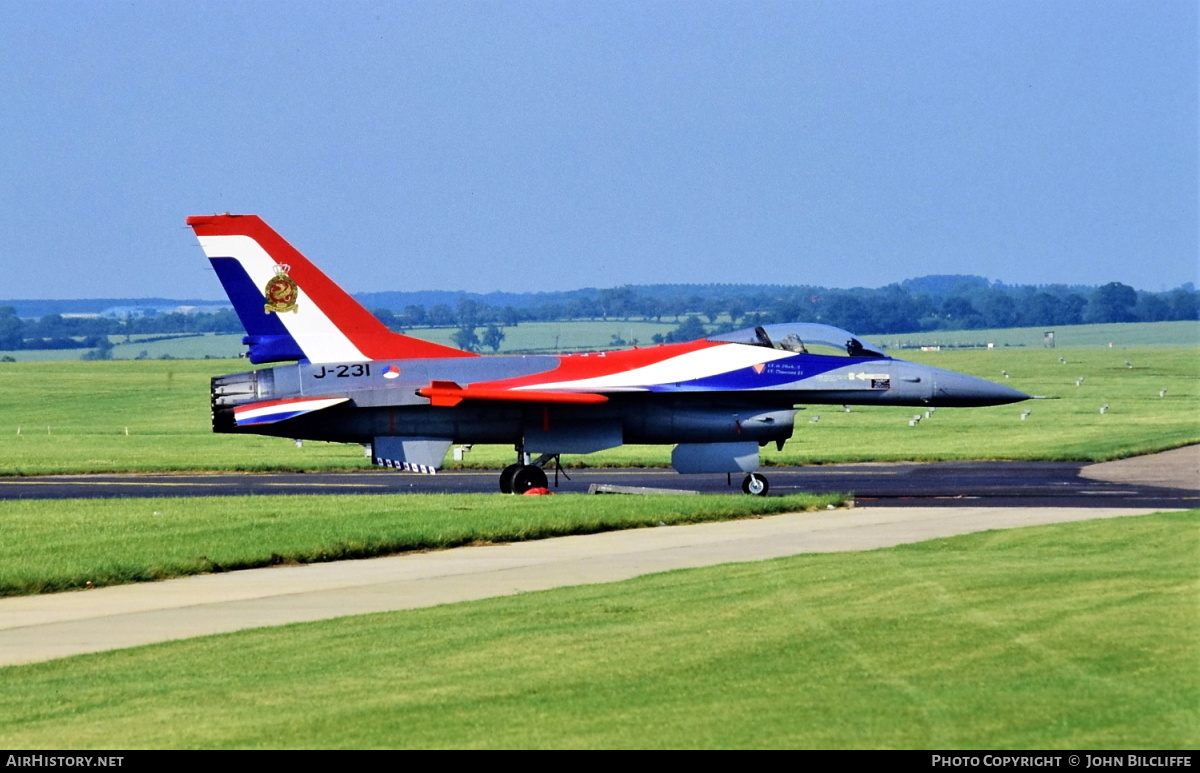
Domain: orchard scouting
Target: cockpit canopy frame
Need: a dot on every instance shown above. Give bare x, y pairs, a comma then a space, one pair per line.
799, 336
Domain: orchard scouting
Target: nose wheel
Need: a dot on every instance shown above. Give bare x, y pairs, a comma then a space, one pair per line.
755, 485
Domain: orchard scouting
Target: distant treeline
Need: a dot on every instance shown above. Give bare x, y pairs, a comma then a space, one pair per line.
55, 331
928, 303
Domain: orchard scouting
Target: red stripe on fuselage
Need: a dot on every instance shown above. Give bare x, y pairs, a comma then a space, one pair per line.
574, 367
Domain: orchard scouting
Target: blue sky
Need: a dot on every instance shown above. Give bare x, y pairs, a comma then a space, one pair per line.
555, 145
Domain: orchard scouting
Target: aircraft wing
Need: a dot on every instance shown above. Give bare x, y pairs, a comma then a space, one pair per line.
448, 394
272, 411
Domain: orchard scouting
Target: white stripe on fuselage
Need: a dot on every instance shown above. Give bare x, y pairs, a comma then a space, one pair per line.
697, 364
246, 413
319, 338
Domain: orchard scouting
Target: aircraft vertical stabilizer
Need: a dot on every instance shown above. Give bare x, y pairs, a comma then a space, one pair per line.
289, 308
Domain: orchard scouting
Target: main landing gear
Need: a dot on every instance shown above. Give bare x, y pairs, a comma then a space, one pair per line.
519, 478
524, 475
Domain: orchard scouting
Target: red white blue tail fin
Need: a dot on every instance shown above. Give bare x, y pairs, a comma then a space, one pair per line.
289, 308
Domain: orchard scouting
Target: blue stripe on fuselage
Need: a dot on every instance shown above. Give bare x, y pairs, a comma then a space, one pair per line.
774, 374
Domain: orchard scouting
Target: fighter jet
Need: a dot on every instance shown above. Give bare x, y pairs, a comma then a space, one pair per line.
349, 379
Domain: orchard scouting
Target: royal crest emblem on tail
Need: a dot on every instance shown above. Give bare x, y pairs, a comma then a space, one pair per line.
281, 292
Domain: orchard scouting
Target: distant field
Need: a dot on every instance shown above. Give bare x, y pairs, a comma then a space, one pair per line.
154, 415
562, 336
587, 335
580, 335
184, 347
1068, 637
1139, 334
43, 355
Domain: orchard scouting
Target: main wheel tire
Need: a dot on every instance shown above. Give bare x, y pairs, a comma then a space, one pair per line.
755, 485
506, 478
527, 477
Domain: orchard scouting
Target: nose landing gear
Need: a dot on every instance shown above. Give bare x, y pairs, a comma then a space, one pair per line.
755, 485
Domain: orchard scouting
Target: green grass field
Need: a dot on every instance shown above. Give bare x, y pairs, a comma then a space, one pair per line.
66, 417
1074, 636
66, 544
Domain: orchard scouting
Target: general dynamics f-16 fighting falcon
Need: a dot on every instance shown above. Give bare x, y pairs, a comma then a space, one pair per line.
351, 380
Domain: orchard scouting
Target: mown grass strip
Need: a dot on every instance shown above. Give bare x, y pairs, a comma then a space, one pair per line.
1072, 636
60, 545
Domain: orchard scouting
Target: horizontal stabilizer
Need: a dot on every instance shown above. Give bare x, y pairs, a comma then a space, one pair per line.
272, 411
448, 394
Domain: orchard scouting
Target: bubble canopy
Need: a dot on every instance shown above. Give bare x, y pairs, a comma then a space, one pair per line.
803, 337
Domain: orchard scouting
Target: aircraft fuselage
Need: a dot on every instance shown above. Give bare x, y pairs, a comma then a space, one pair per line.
755, 402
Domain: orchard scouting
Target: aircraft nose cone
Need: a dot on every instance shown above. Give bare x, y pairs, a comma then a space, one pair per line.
956, 389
